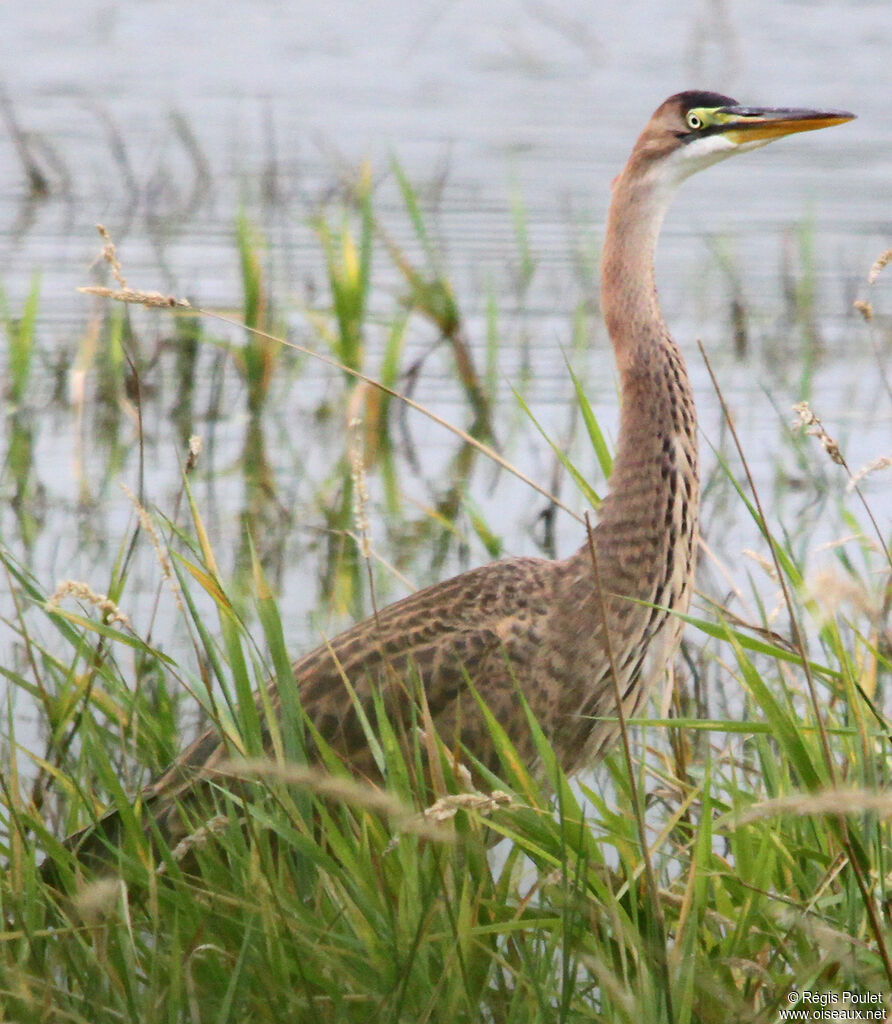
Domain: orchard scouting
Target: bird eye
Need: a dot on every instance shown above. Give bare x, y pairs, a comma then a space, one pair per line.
694, 121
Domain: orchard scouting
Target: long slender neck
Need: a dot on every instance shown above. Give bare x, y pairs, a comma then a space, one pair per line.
628, 291
649, 516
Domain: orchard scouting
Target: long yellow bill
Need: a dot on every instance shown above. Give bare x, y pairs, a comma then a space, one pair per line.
747, 124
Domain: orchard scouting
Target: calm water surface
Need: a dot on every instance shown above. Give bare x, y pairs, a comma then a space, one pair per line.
163, 120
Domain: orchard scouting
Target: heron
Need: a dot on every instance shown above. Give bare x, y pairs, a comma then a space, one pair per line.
569, 635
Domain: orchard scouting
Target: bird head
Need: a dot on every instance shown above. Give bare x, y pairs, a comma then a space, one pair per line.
692, 130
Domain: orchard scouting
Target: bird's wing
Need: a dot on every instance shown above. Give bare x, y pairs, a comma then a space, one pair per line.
440, 638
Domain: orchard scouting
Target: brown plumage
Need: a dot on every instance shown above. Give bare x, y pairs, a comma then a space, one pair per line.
535, 625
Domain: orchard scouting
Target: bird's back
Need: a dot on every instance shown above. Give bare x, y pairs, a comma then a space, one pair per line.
492, 627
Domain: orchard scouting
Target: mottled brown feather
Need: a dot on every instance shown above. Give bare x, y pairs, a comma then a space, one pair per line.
527, 624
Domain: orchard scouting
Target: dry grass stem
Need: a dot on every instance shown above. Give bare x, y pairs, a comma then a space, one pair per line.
770, 569
124, 293
884, 259
472, 442
110, 255
195, 446
830, 591
831, 801
840, 542
343, 789
815, 428
95, 901
881, 462
447, 807
864, 308
146, 522
432, 818
84, 592
764, 563
391, 570
356, 453
213, 826
152, 299
333, 787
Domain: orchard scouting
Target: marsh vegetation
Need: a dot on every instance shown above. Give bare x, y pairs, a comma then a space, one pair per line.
759, 777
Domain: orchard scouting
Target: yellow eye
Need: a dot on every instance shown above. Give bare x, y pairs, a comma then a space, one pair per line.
694, 121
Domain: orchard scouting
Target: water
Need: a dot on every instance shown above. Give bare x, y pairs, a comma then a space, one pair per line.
162, 120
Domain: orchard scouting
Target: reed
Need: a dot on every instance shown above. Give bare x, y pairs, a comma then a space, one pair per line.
312, 895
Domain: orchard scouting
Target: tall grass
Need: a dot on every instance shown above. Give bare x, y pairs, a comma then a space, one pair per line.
307, 895
307, 900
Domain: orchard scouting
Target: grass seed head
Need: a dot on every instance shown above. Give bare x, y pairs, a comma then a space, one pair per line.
81, 591
864, 308
815, 428
124, 293
884, 259
874, 466
146, 522
95, 902
195, 446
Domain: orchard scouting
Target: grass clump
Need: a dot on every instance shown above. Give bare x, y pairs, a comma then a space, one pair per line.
314, 896
720, 864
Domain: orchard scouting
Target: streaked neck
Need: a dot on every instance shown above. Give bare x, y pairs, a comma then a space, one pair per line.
628, 290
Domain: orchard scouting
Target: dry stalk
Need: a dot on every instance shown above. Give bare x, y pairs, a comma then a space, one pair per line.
874, 466
865, 885
447, 807
815, 428
84, 592
200, 837
124, 293
96, 901
158, 300
153, 300
830, 590
146, 522
883, 260
110, 255
765, 564
349, 790
356, 452
864, 308
195, 446
835, 801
